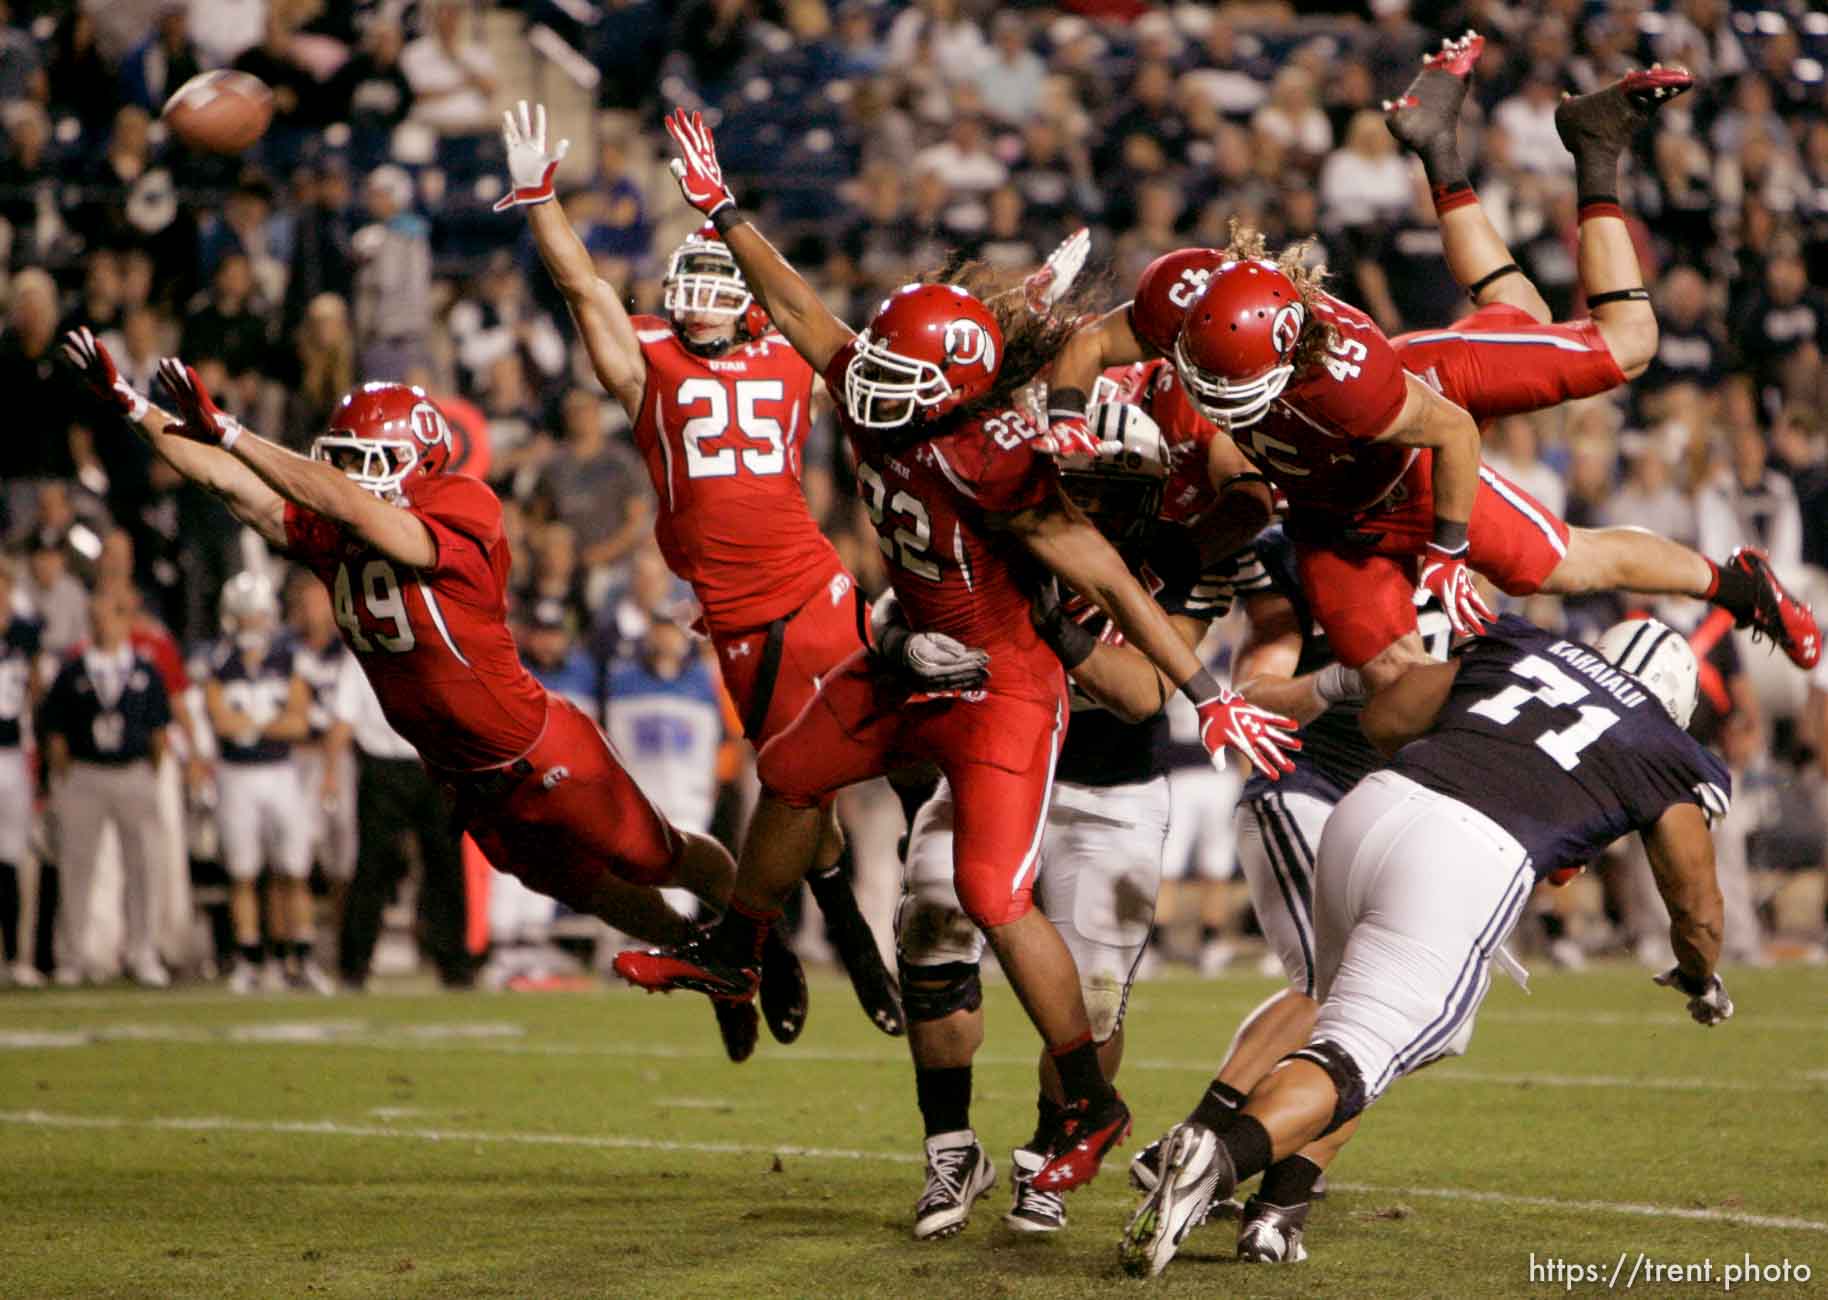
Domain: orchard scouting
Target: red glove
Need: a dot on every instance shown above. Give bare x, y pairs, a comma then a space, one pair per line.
696, 169
91, 360
1069, 435
1446, 577
1229, 719
200, 419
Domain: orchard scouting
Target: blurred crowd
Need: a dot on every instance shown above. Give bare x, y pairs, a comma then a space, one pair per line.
874, 140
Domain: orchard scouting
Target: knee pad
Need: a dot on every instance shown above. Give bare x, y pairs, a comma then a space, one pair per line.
935, 992
1348, 1080
1105, 995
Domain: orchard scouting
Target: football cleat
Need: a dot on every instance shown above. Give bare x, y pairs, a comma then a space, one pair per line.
1271, 1234
1609, 117
958, 1172
310, 978
1430, 107
695, 965
737, 1024
1145, 1172
855, 942
1195, 1170
244, 978
1032, 1210
783, 994
1087, 1134
1778, 615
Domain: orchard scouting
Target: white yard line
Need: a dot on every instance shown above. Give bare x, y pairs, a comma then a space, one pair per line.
332, 1128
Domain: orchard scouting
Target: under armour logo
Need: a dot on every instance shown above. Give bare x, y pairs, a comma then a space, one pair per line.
554, 776
739, 650
1334, 457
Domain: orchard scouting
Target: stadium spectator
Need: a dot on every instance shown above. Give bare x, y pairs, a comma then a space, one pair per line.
20, 686
619, 226
1783, 327
395, 799
596, 487
1748, 503
453, 79
1009, 241
1293, 118
53, 595
1514, 449
393, 282
1528, 119
323, 248
1689, 348
224, 28
554, 578
228, 323
38, 444
371, 92
299, 100
27, 183
104, 721
1368, 182
99, 305
519, 446
964, 158
501, 318
162, 62
1012, 77
82, 83
710, 40
956, 44
323, 369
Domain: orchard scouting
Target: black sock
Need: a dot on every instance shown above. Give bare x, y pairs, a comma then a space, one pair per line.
944, 1096
1735, 592
1218, 1106
741, 932
1247, 1142
9, 911
1209, 934
1081, 1075
44, 928
252, 953
1445, 169
1048, 1114
1596, 174
1289, 1182
301, 951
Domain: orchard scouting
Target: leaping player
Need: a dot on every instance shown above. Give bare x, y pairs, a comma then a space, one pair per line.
966, 500
720, 406
417, 565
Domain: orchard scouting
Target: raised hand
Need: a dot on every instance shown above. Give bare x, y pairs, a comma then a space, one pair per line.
1262, 737
199, 418
700, 177
1054, 280
531, 166
90, 359
1446, 577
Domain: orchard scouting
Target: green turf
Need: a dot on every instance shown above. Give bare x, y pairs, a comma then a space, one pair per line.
1594, 1089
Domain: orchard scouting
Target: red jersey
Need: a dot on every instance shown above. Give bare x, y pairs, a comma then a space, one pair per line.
1187, 496
1317, 440
434, 642
952, 571
722, 438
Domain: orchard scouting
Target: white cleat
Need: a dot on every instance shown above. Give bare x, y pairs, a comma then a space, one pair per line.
1195, 1169
149, 973
958, 1172
311, 979
1271, 1234
26, 976
245, 978
1032, 1210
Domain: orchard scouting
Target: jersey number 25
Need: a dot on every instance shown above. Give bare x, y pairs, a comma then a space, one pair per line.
714, 397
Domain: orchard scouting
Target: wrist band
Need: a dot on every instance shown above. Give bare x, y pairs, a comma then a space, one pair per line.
137, 406
893, 641
727, 216
1450, 535
1202, 686
230, 436
1336, 683
1070, 642
1066, 401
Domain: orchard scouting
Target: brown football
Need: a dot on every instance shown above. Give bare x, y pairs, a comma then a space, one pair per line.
220, 112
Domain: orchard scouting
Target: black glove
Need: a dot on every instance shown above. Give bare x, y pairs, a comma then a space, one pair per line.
1708, 1002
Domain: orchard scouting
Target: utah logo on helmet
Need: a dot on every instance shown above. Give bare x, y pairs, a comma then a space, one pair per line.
929, 349
382, 434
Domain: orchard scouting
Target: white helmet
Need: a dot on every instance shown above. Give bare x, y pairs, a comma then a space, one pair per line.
701, 277
1659, 657
249, 609
1120, 489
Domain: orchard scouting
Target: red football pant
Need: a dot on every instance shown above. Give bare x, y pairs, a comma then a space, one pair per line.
997, 752
575, 816
1502, 361
819, 636
1364, 596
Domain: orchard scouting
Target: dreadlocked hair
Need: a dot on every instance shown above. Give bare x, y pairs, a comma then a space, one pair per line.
1246, 244
1030, 341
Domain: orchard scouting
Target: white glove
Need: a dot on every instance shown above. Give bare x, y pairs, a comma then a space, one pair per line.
1054, 280
530, 166
935, 661
1708, 1007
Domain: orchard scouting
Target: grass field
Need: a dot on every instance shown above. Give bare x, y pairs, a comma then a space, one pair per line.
597, 1144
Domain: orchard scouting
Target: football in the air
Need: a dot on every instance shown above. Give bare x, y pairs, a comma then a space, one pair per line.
220, 112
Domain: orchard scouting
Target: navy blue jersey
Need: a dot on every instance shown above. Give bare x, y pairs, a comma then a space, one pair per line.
319, 665
1560, 748
106, 706
261, 691
18, 648
1101, 748
1334, 754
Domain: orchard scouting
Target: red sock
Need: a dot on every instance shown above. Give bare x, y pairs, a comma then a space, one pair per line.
1452, 196
1601, 207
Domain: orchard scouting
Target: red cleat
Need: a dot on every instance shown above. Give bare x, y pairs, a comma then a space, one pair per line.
1086, 1137
1777, 614
659, 970
1456, 55
1651, 88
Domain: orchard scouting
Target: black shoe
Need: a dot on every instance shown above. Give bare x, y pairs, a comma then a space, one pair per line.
737, 1023
699, 964
876, 989
1609, 117
958, 1172
1430, 108
783, 990
1271, 1234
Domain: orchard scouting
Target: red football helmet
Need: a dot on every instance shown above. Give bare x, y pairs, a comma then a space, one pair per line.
382, 434
1234, 354
1166, 290
928, 349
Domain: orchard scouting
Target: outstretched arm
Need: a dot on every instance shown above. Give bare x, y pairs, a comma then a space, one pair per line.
1092, 349
215, 471
313, 485
596, 307
796, 310
1681, 853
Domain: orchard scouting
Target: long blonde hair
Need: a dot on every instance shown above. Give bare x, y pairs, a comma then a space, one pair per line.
325, 372
1246, 244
